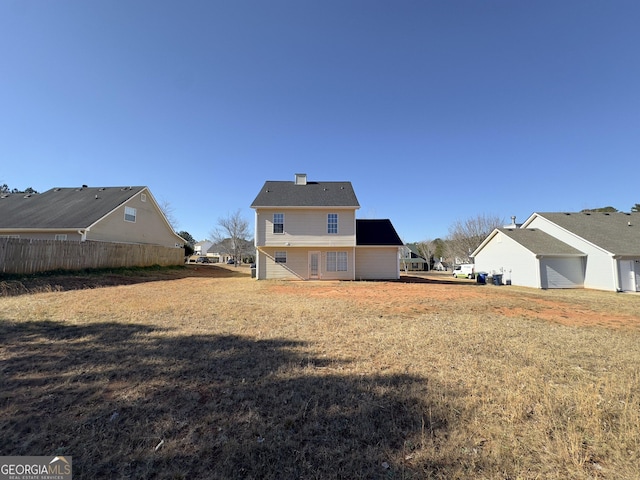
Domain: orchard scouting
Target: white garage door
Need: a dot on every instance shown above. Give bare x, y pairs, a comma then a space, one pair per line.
561, 272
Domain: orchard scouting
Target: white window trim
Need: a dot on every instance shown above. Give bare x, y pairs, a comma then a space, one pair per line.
337, 262
131, 212
274, 224
330, 224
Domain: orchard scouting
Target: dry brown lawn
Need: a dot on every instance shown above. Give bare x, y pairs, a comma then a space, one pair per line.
204, 373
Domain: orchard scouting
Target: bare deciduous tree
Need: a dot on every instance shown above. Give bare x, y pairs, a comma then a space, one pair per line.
167, 210
426, 249
233, 234
467, 235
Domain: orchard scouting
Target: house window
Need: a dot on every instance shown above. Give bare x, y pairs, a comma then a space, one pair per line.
61, 236
129, 214
281, 257
332, 223
336, 261
278, 223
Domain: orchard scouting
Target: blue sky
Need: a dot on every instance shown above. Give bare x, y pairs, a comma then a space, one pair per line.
435, 110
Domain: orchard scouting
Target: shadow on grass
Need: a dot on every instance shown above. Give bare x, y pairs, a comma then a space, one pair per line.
132, 401
59, 281
436, 280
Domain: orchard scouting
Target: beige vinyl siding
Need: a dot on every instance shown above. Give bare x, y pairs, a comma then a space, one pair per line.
297, 266
149, 227
377, 263
294, 269
306, 228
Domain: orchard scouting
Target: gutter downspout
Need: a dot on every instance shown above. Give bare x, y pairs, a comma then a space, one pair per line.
616, 274
353, 261
255, 243
355, 243
83, 235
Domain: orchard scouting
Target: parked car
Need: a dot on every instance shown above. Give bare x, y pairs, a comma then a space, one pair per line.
231, 261
202, 260
464, 270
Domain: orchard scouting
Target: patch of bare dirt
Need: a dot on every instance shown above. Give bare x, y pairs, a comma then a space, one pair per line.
413, 295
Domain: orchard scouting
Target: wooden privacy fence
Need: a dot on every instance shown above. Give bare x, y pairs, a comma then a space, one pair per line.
24, 256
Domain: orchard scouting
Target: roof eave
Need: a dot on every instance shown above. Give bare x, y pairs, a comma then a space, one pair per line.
42, 229
309, 207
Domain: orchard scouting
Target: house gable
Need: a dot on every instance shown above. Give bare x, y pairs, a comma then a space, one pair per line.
89, 213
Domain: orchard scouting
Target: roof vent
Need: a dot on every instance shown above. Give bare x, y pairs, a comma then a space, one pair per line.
301, 178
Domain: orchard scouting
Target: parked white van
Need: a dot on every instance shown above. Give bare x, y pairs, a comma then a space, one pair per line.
464, 270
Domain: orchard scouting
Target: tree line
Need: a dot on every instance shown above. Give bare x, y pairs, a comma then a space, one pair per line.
4, 189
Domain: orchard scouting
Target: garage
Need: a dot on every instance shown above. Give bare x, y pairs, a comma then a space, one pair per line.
629, 275
561, 272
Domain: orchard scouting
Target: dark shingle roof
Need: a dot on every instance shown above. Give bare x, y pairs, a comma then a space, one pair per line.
539, 242
62, 207
615, 232
376, 232
312, 194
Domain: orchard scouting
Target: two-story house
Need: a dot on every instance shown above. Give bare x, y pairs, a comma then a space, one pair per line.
308, 231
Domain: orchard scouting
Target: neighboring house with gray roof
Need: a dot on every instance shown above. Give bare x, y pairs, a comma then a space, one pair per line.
105, 214
412, 260
309, 231
599, 250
